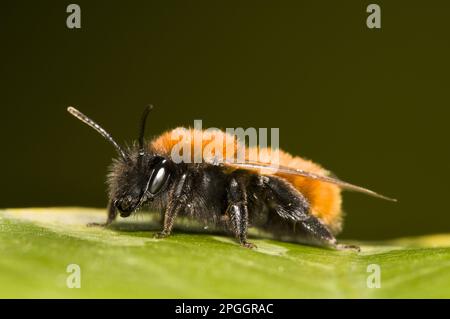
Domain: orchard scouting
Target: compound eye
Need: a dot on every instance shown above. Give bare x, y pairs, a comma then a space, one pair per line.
159, 177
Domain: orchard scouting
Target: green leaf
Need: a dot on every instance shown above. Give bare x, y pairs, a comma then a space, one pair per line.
125, 261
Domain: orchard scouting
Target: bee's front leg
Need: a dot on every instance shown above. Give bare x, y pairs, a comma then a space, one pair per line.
169, 218
112, 214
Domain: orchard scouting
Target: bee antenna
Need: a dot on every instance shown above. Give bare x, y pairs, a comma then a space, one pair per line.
147, 110
86, 120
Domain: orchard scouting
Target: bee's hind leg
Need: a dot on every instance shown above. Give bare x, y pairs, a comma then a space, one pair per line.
289, 204
314, 232
318, 234
237, 210
112, 214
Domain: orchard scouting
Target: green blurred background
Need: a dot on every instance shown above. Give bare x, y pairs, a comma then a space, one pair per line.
370, 105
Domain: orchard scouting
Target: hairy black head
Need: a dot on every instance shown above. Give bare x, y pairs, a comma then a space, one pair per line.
138, 180
137, 176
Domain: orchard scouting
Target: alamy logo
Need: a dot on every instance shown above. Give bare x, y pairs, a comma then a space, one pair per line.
374, 19
374, 279
73, 21
74, 279
235, 145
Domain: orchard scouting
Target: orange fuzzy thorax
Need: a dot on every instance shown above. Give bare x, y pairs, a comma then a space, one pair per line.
324, 198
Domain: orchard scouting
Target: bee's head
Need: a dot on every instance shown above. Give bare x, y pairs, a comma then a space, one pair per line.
137, 181
138, 175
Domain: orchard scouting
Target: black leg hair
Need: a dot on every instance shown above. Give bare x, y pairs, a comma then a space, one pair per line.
112, 214
290, 204
237, 210
178, 199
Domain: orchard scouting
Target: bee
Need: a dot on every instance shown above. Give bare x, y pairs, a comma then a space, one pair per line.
296, 199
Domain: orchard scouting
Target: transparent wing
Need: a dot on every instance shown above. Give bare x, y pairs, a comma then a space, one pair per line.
299, 172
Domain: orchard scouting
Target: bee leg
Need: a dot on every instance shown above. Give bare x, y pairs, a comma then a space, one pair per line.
112, 214
291, 205
237, 210
317, 233
168, 220
348, 247
178, 199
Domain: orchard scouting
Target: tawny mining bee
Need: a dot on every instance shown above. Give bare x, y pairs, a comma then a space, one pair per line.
294, 199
